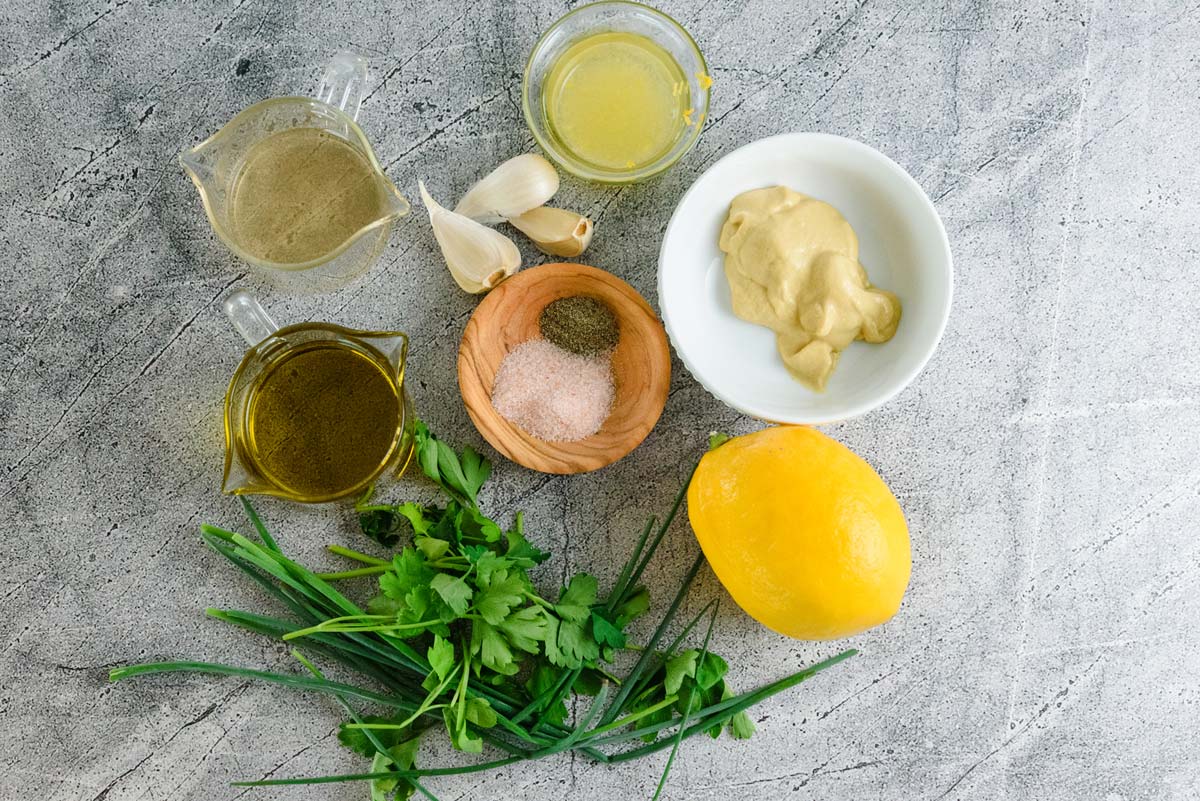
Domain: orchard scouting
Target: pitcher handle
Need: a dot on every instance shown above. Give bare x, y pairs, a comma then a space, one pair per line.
344, 83
248, 317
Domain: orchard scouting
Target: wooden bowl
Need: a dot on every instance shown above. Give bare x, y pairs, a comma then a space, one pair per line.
641, 364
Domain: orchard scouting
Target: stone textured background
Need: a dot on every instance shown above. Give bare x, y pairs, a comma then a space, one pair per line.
1046, 459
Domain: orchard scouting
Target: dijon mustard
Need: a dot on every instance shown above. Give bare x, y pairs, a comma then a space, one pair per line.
792, 266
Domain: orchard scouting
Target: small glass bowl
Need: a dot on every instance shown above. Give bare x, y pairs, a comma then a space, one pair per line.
617, 16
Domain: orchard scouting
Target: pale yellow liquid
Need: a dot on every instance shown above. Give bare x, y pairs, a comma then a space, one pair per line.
617, 101
300, 194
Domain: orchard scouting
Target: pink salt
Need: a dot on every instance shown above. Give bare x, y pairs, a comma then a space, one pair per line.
552, 394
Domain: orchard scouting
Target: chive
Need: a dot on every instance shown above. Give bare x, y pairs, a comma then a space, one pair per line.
402, 774
413, 661
617, 706
618, 590
662, 530
375, 741
633, 717
666, 655
257, 522
296, 682
720, 711
580, 730
687, 710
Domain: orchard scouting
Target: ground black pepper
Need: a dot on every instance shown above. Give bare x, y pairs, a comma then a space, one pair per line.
580, 325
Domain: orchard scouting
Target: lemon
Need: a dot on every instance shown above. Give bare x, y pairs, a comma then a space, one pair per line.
804, 535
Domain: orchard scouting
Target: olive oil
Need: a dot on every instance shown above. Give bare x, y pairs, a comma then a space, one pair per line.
301, 193
616, 100
322, 420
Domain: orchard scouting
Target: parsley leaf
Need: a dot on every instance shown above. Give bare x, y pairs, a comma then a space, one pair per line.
405, 590
498, 595
589, 682
741, 726
460, 736
581, 591
679, 667
480, 712
474, 525
358, 742
453, 591
525, 628
488, 563
634, 606
408, 570
475, 469
461, 477
521, 553
553, 653
382, 526
575, 644
711, 670
605, 631
441, 657
492, 648
431, 547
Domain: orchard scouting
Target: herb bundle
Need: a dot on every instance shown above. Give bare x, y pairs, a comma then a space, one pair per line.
458, 637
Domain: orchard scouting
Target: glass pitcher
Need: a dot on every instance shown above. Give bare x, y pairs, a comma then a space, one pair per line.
311, 222
298, 430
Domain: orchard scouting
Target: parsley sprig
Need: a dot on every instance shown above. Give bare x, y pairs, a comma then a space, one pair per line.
458, 636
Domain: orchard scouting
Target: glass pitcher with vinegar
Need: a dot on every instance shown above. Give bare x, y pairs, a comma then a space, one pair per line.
293, 187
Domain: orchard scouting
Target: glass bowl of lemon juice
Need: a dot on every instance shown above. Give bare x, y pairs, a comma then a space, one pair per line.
616, 91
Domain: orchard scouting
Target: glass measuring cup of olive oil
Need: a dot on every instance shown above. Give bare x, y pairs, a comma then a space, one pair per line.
292, 185
616, 91
315, 412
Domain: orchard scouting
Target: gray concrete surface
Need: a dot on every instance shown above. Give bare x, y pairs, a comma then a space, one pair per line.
1046, 459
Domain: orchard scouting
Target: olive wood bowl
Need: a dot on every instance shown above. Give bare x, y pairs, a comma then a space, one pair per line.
641, 364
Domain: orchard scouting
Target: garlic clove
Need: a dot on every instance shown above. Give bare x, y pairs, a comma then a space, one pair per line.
478, 257
555, 231
516, 186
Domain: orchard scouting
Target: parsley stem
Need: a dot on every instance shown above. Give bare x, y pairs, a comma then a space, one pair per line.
633, 717
356, 556
397, 726
362, 571
364, 624
537, 600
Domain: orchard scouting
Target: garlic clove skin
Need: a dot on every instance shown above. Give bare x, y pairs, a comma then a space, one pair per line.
555, 231
516, 186
479, 258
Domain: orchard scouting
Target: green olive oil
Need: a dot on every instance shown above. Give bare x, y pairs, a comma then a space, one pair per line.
616, 100
300, 194
322, 420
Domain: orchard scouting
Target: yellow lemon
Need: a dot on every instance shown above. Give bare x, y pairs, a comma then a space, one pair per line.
804, 535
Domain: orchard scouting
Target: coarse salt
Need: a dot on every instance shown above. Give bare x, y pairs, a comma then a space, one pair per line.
552, 394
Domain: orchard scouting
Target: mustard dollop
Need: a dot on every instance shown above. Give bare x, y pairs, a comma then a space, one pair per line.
792, 266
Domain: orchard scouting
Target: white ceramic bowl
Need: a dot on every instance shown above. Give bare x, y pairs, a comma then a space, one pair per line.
901, 243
